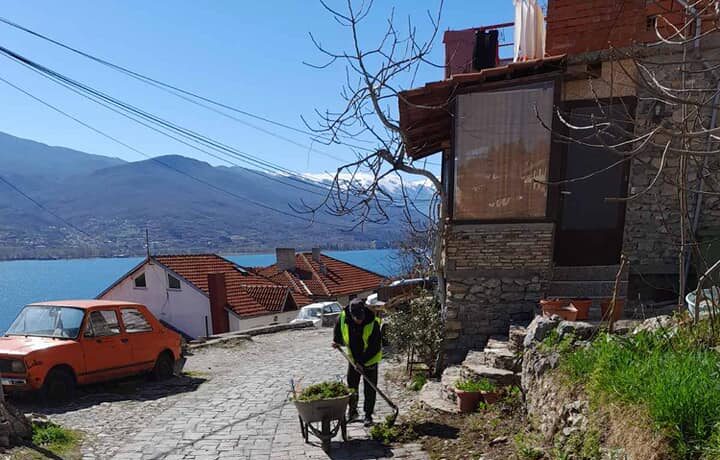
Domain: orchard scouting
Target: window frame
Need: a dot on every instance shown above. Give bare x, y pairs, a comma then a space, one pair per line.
124, 324
179, 283
142, 275
89, 326
555, 153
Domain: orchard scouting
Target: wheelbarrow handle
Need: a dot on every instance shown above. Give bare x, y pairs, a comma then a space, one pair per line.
359, 370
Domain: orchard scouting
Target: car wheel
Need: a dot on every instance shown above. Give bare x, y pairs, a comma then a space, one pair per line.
59, 386
164, 367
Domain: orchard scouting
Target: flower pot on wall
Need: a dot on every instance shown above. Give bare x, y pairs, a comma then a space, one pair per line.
617, 311
583, 308
468, 401
552, 306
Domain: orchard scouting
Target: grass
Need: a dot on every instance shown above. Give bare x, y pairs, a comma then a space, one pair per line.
676, 380
418, 381
525, 447
54, 438
473, 385
324, 390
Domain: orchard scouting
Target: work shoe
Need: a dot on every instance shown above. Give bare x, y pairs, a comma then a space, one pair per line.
368, 422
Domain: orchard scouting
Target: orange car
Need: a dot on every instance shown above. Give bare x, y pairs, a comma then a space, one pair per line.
54, 346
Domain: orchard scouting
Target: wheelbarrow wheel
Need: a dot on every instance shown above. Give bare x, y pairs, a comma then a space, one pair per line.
325, 435
304, 430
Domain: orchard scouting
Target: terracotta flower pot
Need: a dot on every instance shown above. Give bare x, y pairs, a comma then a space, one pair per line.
468, 401
491, 397
552, 306
617, 312
583, 308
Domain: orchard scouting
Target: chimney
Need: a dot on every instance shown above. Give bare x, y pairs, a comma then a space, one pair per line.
316, 254
285, 258
218, 302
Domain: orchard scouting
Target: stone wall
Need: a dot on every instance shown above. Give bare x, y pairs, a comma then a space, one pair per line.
496, 275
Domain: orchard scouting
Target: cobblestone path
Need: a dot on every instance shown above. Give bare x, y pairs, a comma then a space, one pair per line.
233, 405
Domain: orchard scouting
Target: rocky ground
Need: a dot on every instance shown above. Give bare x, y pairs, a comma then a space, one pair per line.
232, 403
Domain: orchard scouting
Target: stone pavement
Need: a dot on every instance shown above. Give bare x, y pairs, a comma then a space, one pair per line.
235, 406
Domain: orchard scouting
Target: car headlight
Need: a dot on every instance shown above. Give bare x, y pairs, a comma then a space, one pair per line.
17, 366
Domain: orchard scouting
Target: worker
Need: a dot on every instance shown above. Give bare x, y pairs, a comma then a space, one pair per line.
358, 329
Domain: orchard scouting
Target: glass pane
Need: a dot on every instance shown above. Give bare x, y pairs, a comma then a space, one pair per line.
104, 323
49, 321
134, 321
173, 283
501, 148
140, 281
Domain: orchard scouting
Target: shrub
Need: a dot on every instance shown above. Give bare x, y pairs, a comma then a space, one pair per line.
324, 390
472, 385
418, 329
53, 437
418, 382
388, 433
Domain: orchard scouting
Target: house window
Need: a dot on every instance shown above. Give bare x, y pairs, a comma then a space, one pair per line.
502, 153
134, 321
140, 281
173, 283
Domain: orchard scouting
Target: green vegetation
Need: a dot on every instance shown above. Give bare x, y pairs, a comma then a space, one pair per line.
324, 390
54, 438
525, 447
677, 380
418, 381
473, 385
388, 433
580, 446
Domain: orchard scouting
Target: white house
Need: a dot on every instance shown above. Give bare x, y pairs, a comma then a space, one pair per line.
204, 294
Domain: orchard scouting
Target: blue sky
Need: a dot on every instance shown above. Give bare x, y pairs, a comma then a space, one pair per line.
248, 54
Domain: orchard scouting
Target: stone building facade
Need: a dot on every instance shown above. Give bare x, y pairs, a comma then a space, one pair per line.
498, 269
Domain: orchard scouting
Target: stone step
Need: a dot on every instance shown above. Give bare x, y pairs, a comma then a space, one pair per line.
516, 337
501, 358
590, 289
449, 376
432, 397
586, 273
499, 377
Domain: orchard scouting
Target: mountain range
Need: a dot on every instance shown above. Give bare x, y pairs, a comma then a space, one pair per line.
91, 205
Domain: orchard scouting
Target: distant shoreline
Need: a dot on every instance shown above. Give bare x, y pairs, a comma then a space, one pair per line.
224, 254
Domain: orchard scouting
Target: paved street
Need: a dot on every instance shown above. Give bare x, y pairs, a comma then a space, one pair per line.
233, 405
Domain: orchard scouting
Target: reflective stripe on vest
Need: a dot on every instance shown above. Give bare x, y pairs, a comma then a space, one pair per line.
367, 332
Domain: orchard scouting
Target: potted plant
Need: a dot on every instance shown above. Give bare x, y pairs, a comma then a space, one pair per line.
468, 395
617, 311
583, 307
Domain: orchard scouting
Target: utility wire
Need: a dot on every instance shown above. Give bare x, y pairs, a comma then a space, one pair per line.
43, 207
179, 171
194, 98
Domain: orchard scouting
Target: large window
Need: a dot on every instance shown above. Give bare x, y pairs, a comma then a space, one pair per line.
502, 153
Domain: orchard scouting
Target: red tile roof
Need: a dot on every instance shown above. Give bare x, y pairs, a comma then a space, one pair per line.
328, 277
248, 294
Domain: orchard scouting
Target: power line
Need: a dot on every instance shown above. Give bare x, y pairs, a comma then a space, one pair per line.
179, 171
43, 207
194, 97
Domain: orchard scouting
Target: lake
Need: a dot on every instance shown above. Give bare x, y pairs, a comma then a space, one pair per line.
26, 281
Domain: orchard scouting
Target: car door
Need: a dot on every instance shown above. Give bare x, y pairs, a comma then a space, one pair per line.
106, 350
144, 341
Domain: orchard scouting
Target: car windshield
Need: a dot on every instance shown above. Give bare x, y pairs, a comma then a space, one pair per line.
308, 313
48, 321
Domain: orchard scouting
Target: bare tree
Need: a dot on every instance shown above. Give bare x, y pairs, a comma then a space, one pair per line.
374, 77
677, 81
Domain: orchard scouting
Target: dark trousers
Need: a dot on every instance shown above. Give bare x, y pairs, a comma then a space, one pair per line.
353, 380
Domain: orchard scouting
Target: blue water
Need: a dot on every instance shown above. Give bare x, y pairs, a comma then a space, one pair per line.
25, 281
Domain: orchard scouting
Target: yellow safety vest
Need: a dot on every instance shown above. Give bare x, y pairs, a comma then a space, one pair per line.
367, 332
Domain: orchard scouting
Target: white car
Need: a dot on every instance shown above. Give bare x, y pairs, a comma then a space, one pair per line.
320, 313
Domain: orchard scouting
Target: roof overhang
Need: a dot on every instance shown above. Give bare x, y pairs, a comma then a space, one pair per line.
426, 112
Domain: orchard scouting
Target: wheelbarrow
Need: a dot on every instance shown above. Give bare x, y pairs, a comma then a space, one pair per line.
328, 413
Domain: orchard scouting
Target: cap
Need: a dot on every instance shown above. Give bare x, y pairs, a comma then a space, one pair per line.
357, 309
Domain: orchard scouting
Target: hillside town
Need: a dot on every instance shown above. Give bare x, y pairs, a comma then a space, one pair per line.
546, 200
